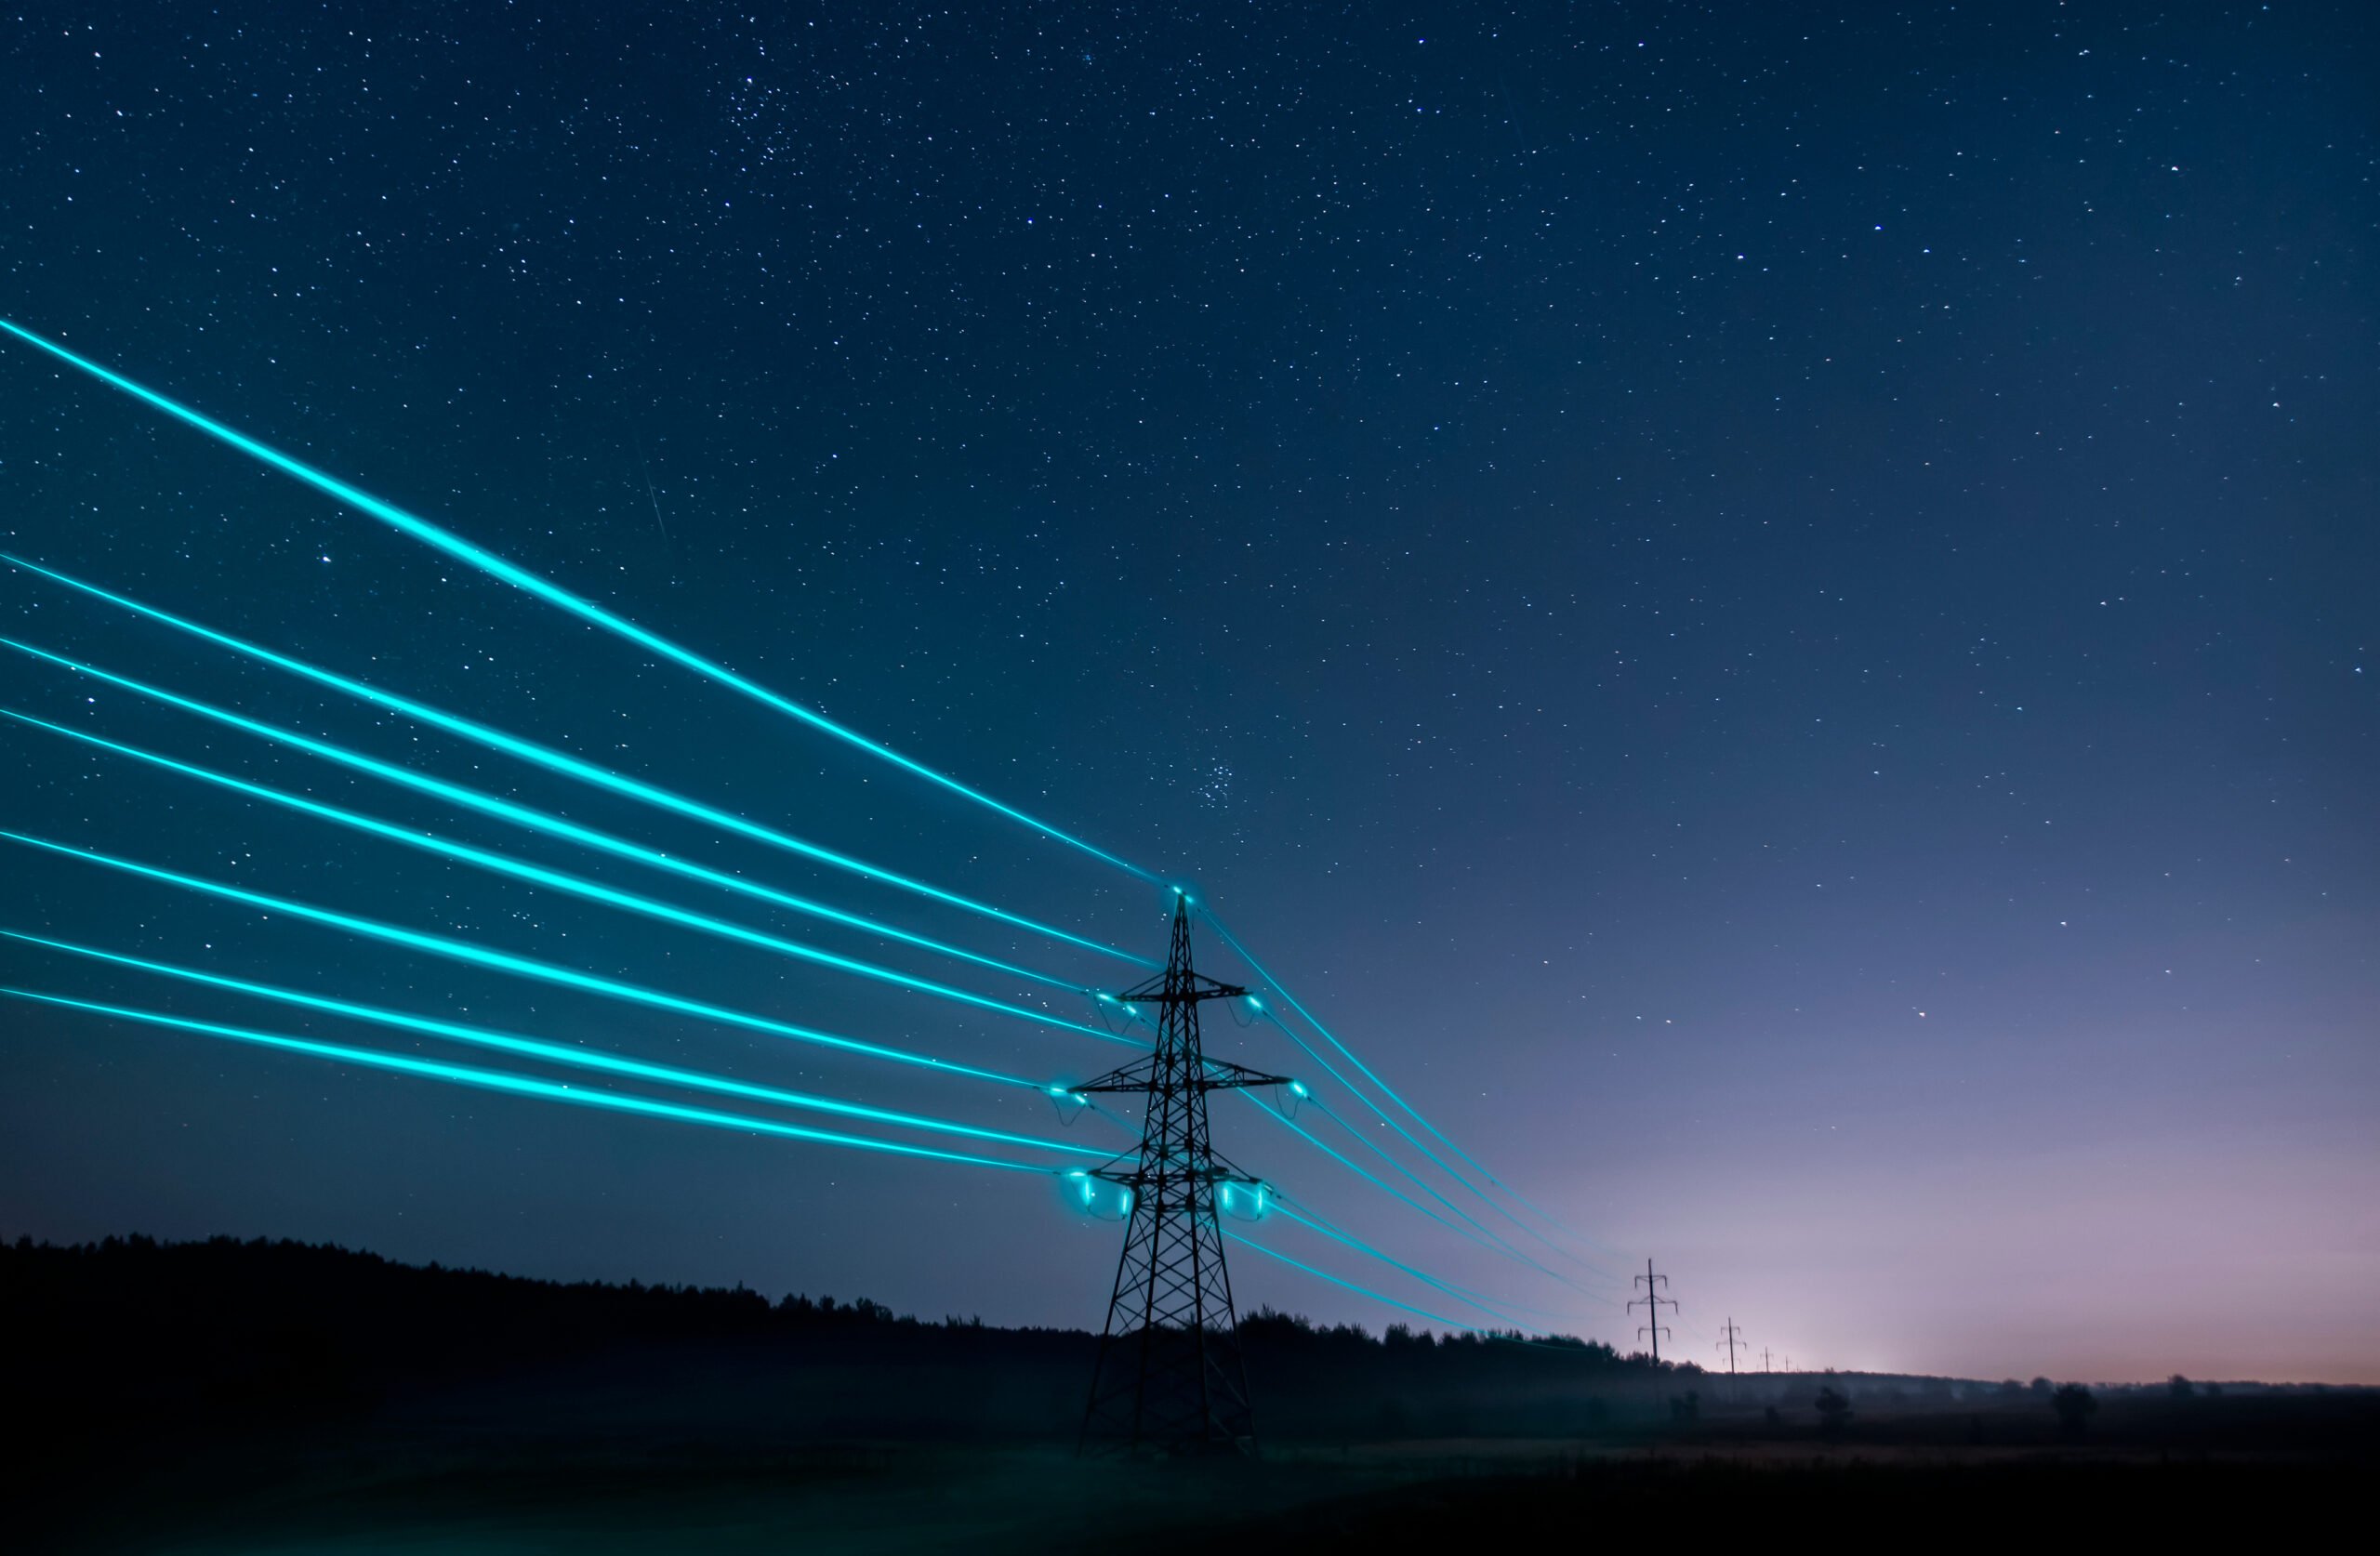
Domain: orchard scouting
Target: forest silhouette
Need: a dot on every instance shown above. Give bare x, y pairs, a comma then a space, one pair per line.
280, 1391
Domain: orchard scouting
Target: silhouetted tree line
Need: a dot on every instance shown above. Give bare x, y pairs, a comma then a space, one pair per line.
138, 1328
225, 1285
132, 1328
1268, 1328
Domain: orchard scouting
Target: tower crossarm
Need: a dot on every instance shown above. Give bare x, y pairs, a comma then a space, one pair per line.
1215, 1074
1134, 1176
1223, 1075
1178, 988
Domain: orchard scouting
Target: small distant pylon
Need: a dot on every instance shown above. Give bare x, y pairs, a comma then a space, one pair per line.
1170, 1380
1731, 1338
1651, 1302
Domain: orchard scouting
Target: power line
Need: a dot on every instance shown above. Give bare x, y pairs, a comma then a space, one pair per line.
1277, 986
534, 818
498, 1080
596, 1098
502, 569
1408, 1135
558, 1053
1486, 1236
577, 886
521, 578
1493, 1307
585, 771
504, 962
573, 832
591, 1097
1651, 1302
562, 762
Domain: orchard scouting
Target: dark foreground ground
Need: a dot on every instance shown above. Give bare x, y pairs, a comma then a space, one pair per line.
245, 1398
1482, 1495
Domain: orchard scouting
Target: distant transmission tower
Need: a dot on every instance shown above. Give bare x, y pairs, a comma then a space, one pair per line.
1651, 1302
1170, 1379
1733, 1337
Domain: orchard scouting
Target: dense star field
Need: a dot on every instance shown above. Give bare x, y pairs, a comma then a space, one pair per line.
1769, 610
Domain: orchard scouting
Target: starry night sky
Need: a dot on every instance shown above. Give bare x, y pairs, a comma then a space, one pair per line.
1772, 615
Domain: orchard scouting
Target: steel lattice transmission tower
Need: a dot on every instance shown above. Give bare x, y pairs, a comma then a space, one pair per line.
1170, 1379
1731, 1339
1652, 1302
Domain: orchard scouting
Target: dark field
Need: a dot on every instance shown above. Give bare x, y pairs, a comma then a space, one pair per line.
224, 1398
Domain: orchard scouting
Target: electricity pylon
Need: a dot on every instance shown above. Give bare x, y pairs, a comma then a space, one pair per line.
1733, 1338
1170, 1379
1651, 1302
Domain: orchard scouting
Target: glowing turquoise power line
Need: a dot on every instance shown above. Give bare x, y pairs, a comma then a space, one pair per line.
576, 886
1275, 983
570, 766
540, 820
1350, 1286
1318, 1224
498, 1080
1355, 1092
479, 956
520, 578
509, 572
1494, 1307
1492, 1240
1481, 1236
558, 1053
1513, 1337
1382, 1185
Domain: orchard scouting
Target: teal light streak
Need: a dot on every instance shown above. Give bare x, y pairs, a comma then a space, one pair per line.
1494, 1239
479, 956
1494, 1307
588, 1059
498, 1080
577, 886
520, 578
1404, 1307
1390, 1091
1355, 1092
1350, 1286
1275, 983
1285, 1122
1369, 1251
541, 820
569, 766
1482, 1237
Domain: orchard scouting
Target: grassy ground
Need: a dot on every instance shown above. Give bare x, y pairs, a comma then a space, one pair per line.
436, 1491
